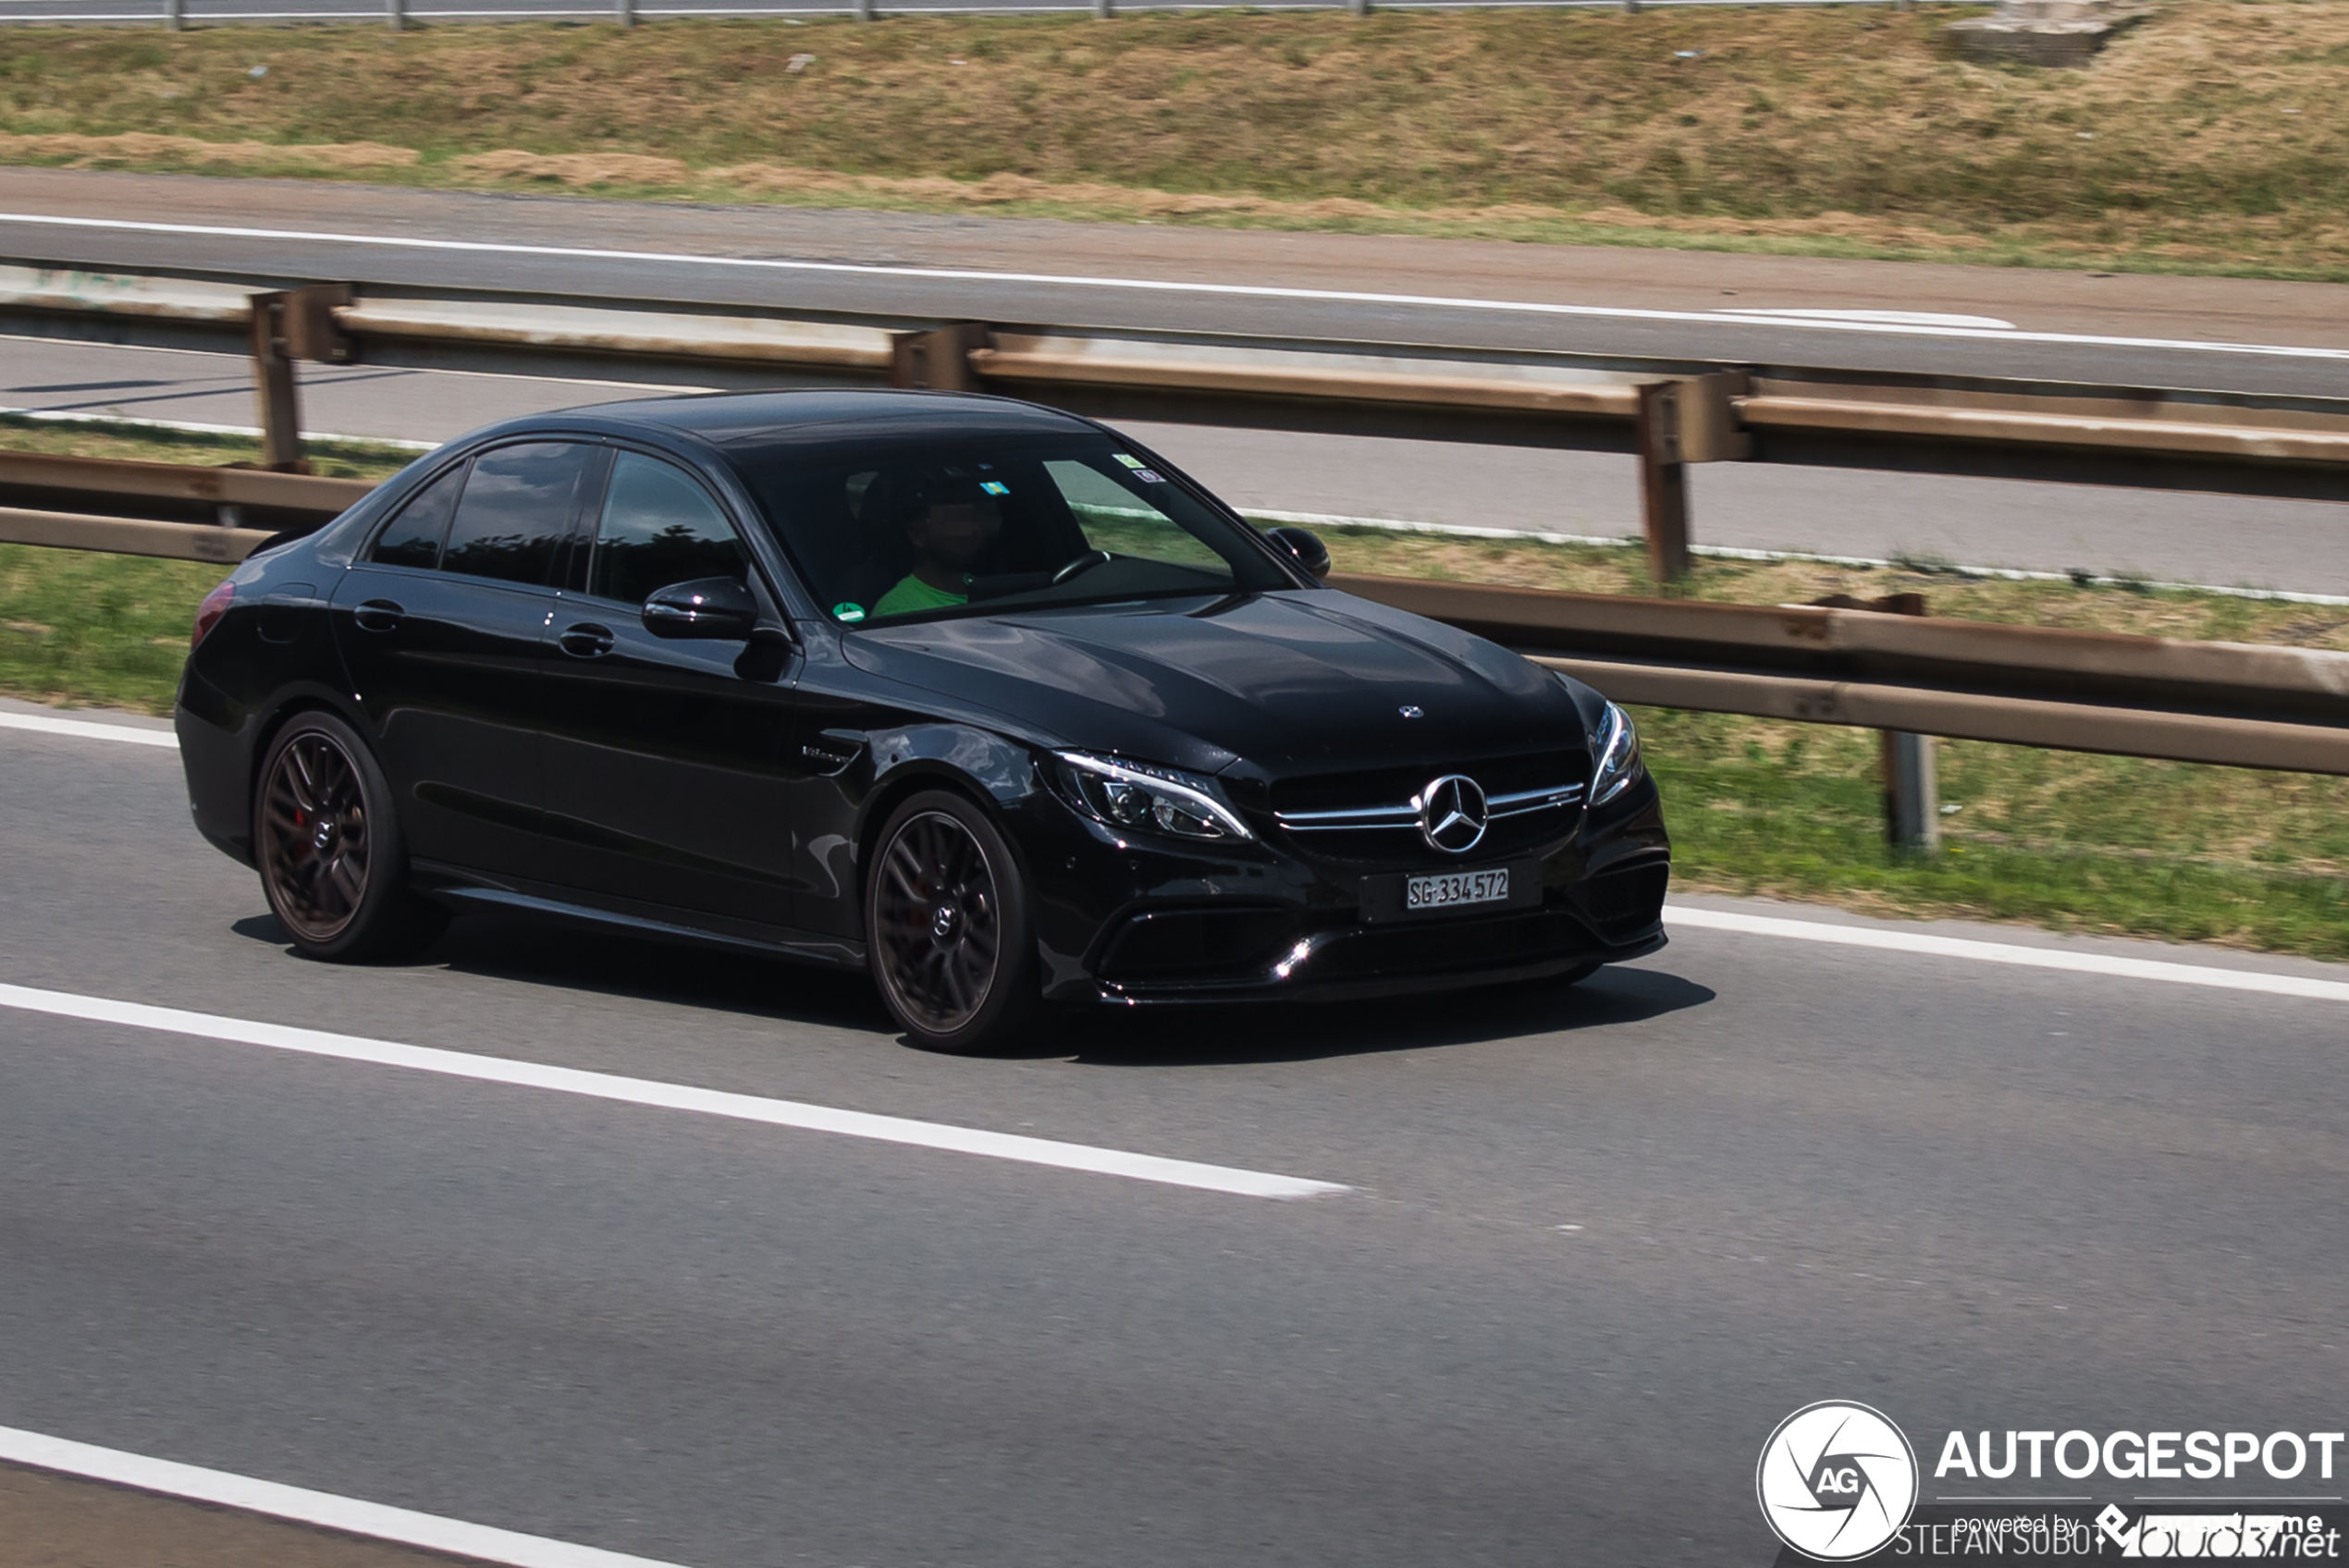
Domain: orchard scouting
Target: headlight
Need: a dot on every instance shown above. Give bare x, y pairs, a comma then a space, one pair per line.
1150, 800
1615, 750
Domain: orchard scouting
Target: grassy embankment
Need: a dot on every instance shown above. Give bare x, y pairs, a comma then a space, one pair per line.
2055, 837
2213, 136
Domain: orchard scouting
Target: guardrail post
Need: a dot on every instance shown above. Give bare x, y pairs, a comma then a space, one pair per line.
1663, 483
1911, 793
273, 385
297, 324
936, 362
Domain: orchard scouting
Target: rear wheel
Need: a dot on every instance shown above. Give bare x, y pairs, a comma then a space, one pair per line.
330, 850
947, 925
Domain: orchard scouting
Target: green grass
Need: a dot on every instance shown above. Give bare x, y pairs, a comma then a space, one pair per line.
112, 631
2057, 838
2212, 137
2053, 839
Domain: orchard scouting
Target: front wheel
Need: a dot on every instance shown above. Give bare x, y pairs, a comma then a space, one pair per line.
947, 925
329, 847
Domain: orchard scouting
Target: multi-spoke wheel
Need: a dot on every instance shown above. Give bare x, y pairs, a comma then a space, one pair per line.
329, 847
946, 919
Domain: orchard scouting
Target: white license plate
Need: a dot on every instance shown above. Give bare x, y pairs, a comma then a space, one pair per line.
1453, 888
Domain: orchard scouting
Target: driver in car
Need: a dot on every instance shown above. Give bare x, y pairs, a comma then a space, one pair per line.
950, 526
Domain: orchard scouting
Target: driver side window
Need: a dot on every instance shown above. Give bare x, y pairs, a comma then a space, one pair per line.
658, 527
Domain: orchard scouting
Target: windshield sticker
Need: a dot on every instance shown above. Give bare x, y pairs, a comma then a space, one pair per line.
1129, 459
995, 487
850, 612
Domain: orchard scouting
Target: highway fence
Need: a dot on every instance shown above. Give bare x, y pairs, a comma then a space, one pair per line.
1909, 676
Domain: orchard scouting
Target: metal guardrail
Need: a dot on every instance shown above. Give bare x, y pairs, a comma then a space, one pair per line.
2236, 705
2259, 707
1668, 412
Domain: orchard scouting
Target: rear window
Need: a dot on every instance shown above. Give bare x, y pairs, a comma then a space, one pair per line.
517, 511
920, 530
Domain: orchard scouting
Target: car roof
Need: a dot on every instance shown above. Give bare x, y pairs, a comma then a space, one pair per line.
737, 421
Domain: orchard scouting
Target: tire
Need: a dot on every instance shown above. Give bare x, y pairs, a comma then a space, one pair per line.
947, 928
329, 851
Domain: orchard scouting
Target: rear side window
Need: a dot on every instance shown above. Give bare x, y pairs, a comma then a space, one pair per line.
413, 538
658, 527
516, 508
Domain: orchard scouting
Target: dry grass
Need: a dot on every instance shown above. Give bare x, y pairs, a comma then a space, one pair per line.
2213, 136
2188, 614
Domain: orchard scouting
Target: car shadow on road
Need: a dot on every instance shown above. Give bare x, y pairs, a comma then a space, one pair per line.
1299, 1032
610, 965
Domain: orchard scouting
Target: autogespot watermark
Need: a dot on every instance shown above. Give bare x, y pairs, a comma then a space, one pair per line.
1836, 1480
1839, 1482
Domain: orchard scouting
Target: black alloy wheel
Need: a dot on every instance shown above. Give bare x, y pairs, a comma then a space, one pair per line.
328, 846
946, 918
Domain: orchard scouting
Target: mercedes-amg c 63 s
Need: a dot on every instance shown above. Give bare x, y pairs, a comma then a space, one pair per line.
982, 697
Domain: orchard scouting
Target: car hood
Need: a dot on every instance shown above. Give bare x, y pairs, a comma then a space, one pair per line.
1307, 681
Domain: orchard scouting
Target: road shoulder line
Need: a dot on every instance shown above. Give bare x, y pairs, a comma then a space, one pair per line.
82, 729
674, 1096
326, 1510
1928, 945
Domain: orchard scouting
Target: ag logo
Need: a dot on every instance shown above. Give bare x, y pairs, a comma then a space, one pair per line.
1836, 1480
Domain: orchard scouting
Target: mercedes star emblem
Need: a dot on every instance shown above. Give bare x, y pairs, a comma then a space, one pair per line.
1452, 813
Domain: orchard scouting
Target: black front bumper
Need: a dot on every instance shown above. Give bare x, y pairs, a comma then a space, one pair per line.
1123, 923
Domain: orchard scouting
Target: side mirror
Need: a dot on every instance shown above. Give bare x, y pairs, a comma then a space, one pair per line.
1306, 545
716, 608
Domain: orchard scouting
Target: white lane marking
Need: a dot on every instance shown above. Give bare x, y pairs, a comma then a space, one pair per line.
1899, 318
673, 1096
84, 731
375, 1520
1153, 285
2001, 952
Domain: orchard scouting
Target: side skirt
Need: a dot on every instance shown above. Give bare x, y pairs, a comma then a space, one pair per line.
467, 891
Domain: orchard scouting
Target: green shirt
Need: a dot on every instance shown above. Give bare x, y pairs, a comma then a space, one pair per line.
911, 593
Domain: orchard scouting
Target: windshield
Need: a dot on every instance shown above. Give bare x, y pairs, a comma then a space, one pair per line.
906, 529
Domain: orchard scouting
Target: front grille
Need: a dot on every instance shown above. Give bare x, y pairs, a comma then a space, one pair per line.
1372, 818
1391, 786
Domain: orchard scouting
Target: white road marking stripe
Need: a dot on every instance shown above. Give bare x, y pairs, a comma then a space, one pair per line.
81, 729
2001, 952
1899, 318
375, 1520
673, 1096
1246, 290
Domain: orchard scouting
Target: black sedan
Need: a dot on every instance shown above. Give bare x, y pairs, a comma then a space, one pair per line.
981, 696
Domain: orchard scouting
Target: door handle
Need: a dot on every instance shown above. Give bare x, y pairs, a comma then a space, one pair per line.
377, 615
585, 640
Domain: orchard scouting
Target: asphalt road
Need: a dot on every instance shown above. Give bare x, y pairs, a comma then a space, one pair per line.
1600, 1243
2230, 541
2217, 333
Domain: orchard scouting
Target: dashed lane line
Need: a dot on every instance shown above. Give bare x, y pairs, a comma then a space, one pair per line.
222, 1489
82, 729
673, 1096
